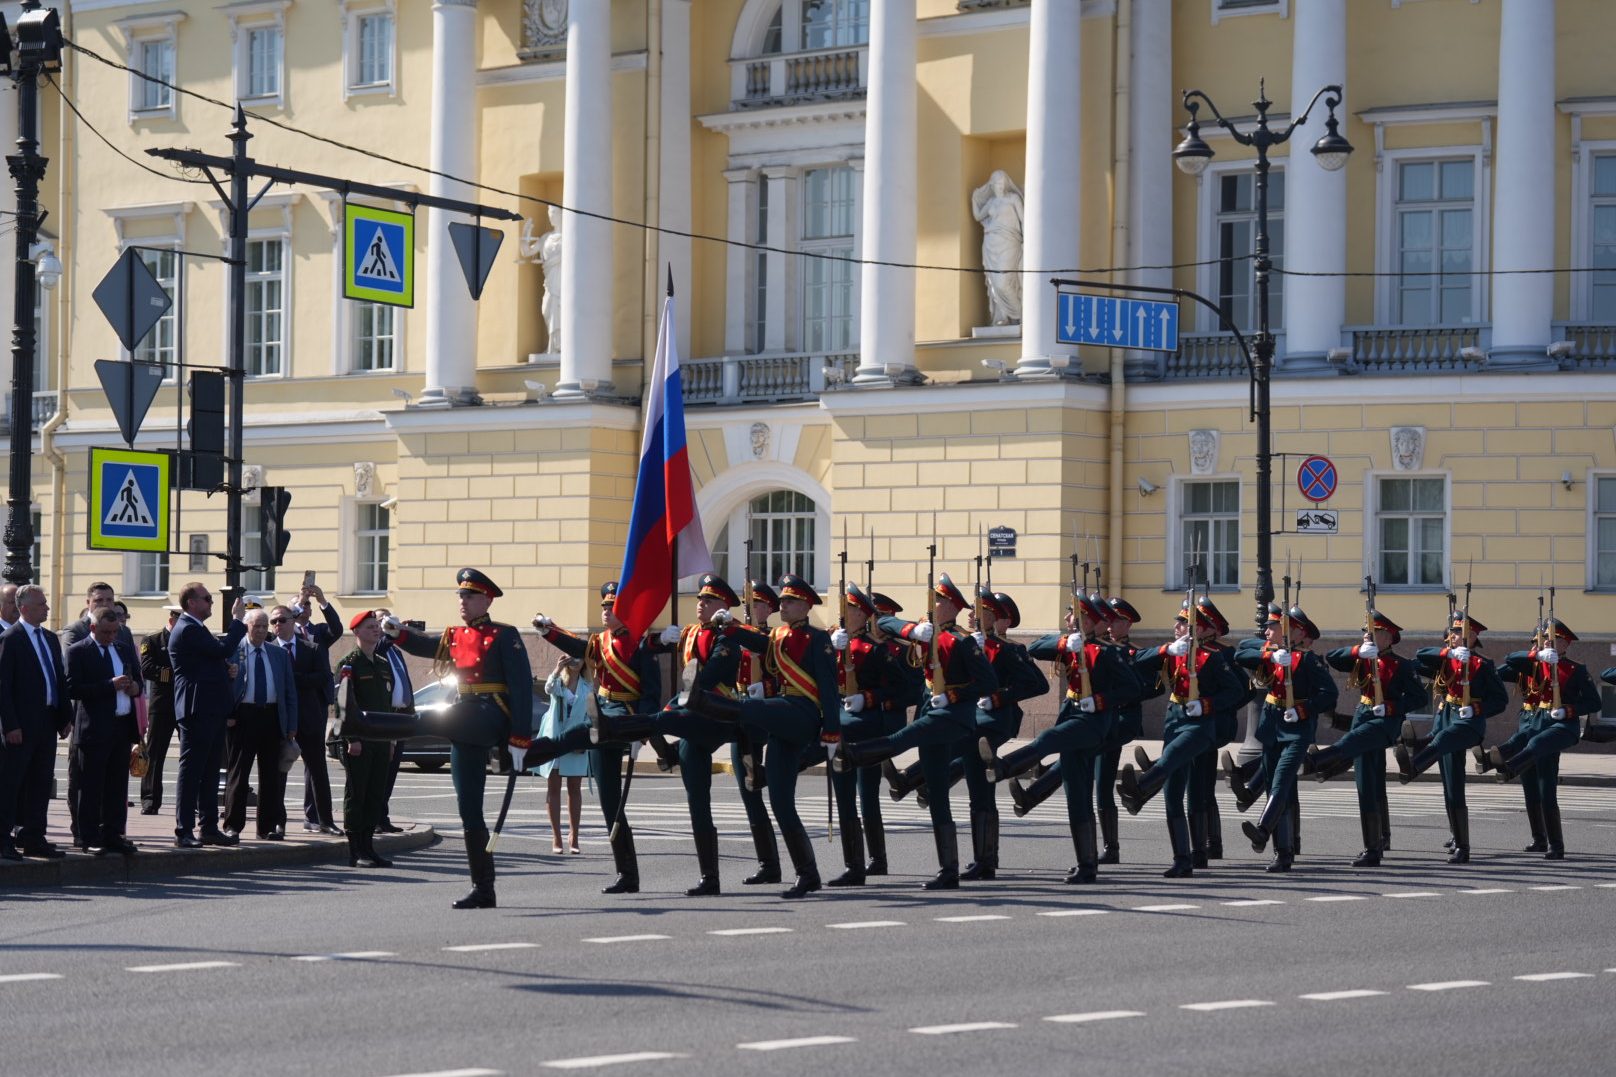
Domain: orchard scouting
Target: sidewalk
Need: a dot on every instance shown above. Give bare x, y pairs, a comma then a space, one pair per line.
158, 858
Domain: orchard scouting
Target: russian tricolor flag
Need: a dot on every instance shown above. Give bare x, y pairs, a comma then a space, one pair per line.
664, 528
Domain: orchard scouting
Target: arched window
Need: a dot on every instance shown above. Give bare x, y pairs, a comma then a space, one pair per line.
830, 24
784, 527
790, 26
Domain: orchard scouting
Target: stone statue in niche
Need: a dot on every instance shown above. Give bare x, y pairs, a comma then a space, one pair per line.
1408, 448
364, 479
997, 205
547, 251
252, 476
760, 440
544, 29
1203, 452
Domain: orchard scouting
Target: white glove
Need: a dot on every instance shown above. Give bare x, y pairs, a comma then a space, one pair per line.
939, 701
1467, 712
838, 639
518, 757
981, 639
985, 703
720, 618
1086, 704
1282, 658
854, 704
1179, 647
830, 749
922, 632
670, 635
391, 626
755, 690
542, 623
1558, 714
1193, 708
1549, 656
1074, 642
1368, 651
1291, 716
1460, 654
1379, 710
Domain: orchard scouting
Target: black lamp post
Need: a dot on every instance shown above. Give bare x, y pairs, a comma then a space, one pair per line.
1192, 155
36, 49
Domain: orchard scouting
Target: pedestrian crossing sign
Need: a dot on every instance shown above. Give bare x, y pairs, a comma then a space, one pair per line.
129, 497
378, 258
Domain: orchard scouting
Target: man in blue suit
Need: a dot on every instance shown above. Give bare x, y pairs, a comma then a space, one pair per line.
202, 702
265, 719
34, 711
103, 680
309, 647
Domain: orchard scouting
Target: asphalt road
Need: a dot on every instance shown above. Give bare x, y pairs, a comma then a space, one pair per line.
1496, 968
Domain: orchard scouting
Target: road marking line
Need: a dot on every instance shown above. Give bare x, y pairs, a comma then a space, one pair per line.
1337, 897
783, 1045
184, 966
1607, 886
357, 955
1487, 890
630, 938
1544, 977
1231, 1004
1562, 886
855, 925
1448, 985
607, 1060
1412, 894
25, 977
1162, 908
1076, 912
1249, 903
480, 947
1340, 996
969, 919
455, 1073
1097, 1015
973, 1026
732, 931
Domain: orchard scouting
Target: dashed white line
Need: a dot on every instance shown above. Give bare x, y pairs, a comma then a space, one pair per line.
1412, 894
786, 1045
1250, 903
609, 1060
184, 966
357, 955
478, 948
1096, 1015
972, 1026
1340, 996
1163, 908
627, 938
455, 1073
1545, 977
1075, 912
1337, 897
1486, 890
1448, 985
1562, 886
1228, 1004
732, 932
26, 977
855, 925
969, 919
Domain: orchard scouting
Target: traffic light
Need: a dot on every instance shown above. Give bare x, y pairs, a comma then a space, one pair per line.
204, 463
273, 538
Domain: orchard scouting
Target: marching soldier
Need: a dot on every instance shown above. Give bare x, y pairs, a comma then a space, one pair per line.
947, 715
1388, 690
1471, 694
495, 708
1526, 725
1566, 694
1099, 682
628, 686
1300, 689
1206, 822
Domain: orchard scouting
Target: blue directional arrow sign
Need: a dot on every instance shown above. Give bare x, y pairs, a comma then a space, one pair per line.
1115, 322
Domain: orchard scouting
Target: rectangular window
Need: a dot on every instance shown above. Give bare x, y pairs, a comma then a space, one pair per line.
782, 526
1237, 242
156, 59
1411, 522
151, 573
1604, 531
266, 306
162, 343
373, 64
1602, 227
1210, 512
264, 49
1435, 240
833, 24
829, 283
372, 540
375, 336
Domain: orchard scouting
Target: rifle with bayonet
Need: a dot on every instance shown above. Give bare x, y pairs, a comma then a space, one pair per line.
1189, 623
1373, 666
1464, 638
1285, 638
1548, 637
932, 678
1082, 653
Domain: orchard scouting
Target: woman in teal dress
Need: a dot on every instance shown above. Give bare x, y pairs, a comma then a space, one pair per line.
569, 700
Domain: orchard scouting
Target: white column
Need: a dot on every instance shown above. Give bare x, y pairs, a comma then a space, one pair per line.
1150, 132
1053, 159
674, 199
1315, 200
586, 264
451, 315
780, 313
739, 296
1523, 216
887, 296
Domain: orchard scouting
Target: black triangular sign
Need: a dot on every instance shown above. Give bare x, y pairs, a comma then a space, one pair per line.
476, 247
130, 389
131, 299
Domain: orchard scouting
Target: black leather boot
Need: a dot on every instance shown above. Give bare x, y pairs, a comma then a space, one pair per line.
900, 783
1108, 833
876, 836
481, 862
357, 857
1551, 824
1284, 843
1129, 792
1088, 856
1385, 822
1141, 758
1540, 838
667, 756
979, 867
1197, 822
1178, 833
802, 861
368, 841
852, 855
1461, 836
946, 837
707, 862
1483, 763
1214, 828
626, 861
768, 854
1370, 857
1244, 798
1043, 786
1255, 834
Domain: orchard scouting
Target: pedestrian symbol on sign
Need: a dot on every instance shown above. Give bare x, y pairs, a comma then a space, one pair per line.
129, 508
378, 262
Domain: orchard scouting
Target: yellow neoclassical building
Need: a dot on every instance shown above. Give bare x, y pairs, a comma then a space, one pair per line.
861, 204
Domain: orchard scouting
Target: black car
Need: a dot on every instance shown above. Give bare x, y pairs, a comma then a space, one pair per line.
432, 753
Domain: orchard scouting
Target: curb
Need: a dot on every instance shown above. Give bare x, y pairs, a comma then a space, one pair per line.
79, 868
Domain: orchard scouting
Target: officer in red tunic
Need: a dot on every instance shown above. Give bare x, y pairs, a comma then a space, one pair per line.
495, 683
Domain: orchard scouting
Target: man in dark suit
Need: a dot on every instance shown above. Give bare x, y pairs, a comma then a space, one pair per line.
8, 606
401, 674
265, 719
34, 711
158, 672
100, 596
202, 700
309, 646
103, 680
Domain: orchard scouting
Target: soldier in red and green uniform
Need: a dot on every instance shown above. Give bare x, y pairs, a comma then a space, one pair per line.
495, 683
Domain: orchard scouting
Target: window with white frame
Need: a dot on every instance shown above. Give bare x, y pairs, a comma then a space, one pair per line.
266, 307
371, 51
782, 525
1411, 517
153, 57
161, 345
1603, 532
375, 336
833, 24
261, 60
1222, 9
1602, 238
1209, 511
372, 539
829, 282
1235, 221
1434, 237
148, 573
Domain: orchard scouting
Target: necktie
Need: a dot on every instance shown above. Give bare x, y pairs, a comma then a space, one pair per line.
260, 677
50, 667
